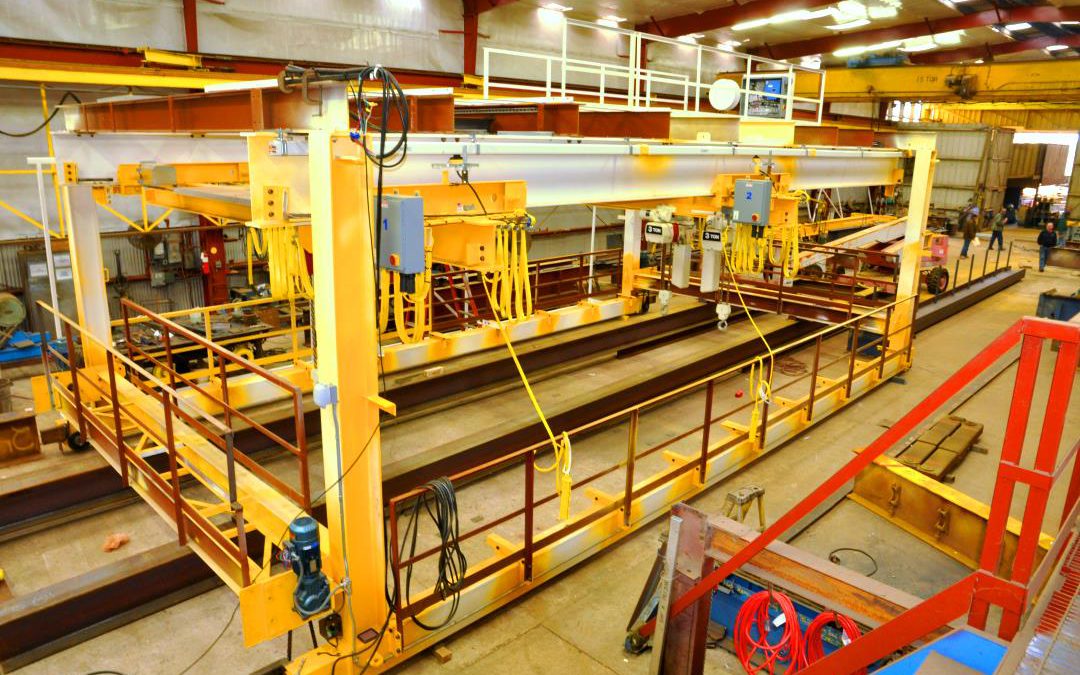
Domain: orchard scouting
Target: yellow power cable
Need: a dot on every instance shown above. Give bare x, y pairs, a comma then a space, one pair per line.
560, 447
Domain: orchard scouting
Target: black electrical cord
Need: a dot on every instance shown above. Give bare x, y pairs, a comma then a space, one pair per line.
440, 502
463, 174
56, 110
833, 558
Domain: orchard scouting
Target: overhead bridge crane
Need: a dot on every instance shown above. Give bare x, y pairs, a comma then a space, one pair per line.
345, 570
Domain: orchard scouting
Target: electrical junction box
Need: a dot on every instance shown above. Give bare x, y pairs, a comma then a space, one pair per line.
752, 201
401, 239
660, 233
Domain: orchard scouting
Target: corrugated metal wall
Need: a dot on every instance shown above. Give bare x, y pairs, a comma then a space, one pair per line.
969, 156
1030, 120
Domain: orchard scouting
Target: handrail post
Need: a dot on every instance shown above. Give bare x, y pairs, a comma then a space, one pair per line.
47, 369
851, 361
884, 343
241, 541
631, 456
127, 328
223, 376
986, 259
121, 455
1008, 256
301, 447
73, 367
705, 431
395, 561
813, 381
956, 274
971, 267
997, 259
170, 446
530, 460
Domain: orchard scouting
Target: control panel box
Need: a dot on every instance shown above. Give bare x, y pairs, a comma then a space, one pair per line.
752, 200
401, 236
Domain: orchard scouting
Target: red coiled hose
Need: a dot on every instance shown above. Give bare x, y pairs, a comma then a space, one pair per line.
814, 646
754, 614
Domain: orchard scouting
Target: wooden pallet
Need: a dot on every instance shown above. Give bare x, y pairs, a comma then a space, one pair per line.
941, 448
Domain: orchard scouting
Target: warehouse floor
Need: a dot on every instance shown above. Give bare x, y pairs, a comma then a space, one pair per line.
576, 623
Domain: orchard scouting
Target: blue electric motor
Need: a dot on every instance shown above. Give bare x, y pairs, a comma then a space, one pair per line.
312, 594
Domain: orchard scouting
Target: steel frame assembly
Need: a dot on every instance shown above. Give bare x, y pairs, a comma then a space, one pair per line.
132, 401
1010, 576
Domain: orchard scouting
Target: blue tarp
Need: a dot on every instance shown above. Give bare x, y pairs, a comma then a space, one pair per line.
11, 354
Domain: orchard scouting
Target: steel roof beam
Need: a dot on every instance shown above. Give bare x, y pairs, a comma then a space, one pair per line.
722, 17
831, 43
988, 51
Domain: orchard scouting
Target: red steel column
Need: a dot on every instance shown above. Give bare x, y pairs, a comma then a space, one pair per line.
191, 27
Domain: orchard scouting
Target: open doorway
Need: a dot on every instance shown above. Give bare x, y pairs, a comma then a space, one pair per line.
1039, 172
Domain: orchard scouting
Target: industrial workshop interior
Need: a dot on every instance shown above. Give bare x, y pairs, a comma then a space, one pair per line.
510, 336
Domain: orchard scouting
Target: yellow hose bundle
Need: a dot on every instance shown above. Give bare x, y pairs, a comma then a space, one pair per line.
286, 261
510, 293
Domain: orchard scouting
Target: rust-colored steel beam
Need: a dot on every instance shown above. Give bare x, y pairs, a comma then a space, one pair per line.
191, 27
722, 17
829, 44
100, 55
988, 51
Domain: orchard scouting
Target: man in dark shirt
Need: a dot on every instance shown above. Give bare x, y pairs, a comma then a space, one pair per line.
1046, 241
1010, 214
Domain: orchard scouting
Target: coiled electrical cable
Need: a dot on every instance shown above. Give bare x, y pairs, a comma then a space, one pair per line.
752, 627
440, 502
814, 645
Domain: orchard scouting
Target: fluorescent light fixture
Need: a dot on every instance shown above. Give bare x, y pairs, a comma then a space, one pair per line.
883, 46
729, 45
882, 12
556, 7
750, 25
978, 60
788, 17
849, 25
1056, 48
607, 23
951, 38
849, 51
1018, 26
811, 61
1068, 23
616, 19
912, 46
852, 8
690, 39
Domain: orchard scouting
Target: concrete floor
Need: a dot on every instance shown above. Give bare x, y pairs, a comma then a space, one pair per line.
576, 623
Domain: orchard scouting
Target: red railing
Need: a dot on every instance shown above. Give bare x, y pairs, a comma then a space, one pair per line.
225, 363
845, 368
974, 594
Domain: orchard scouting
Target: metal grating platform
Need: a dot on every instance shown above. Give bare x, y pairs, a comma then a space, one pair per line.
1055, 647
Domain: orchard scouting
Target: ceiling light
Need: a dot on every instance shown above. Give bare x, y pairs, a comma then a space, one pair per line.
950, 38
882, 12
748, 25
912, 46
850, 24
1056, 48
852, 8
615, 19
978, 60
788, 17
690, 39
729, 45
607, 23
882, 46
1018, 26
1068, 23
811, 61
556, 7
849, 51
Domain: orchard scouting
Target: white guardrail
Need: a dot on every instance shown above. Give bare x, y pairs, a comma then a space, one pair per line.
633, 87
